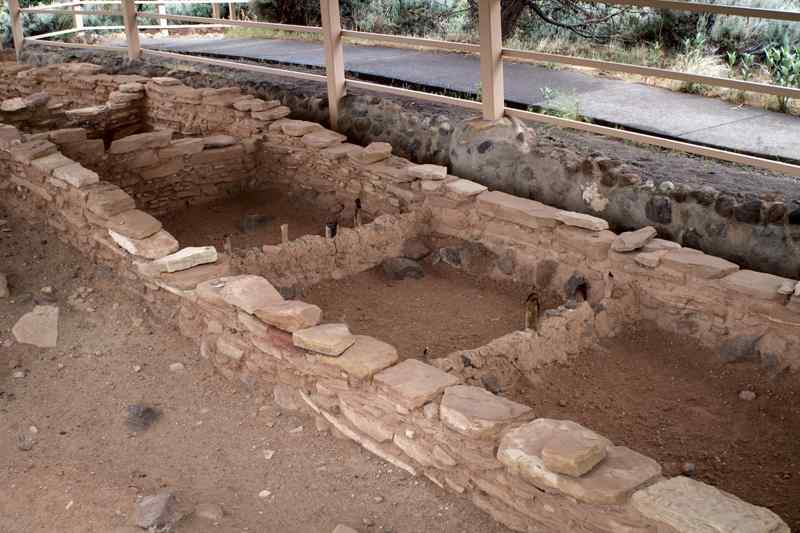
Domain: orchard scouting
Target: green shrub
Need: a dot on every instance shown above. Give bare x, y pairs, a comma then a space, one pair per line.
748, 33
783, 64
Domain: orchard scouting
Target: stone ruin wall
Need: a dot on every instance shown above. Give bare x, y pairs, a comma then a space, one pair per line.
417, 416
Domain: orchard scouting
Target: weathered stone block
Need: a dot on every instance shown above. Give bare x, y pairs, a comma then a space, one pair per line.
153, 247
528, 213
186, 258
365, 357
690, 506
634, 240
698, 264
412, 383
76, 175
322, 139
134, 224
328, 339
39, 327
141, 141
581, 220
108, 200
464, 188
757, 285
246, 292
291, 315
476, 412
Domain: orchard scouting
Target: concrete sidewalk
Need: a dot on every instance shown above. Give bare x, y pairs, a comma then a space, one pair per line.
707, 121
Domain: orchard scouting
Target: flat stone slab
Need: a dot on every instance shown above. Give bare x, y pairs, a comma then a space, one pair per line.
190, 278
27, 152
465, 188
51, 162
109, 200
220, 141
412, 383
581, 220
328, 339
756, 284
365, 357
690, 506
634, 240
427, 172
39, 327
186, 258
272, 114
141, 141
134, 224
573, 454
528, 213
697, 264
610, 482
77, 175
373, 153
298, 128
248, 293
323, 139
153, 247
290, 315
476, 412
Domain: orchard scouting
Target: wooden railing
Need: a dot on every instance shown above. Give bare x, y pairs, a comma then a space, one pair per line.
490, 50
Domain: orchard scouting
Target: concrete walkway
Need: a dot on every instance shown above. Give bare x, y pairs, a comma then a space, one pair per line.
707, 121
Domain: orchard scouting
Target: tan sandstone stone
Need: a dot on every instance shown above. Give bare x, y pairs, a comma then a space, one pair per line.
76, 175
134, 224
189, 279
581, 220
427, 172
372, 154
690, 506
39, 327
153, 247
412, 383
572, 454
610, 482
141, 141
290, 315
698, 264
528, 213
298, 128
476, 412
328, 339
462, 188
634, 240
245, 292
49, 163
758, 285
186, 258
108, 200
365, 357
322, 139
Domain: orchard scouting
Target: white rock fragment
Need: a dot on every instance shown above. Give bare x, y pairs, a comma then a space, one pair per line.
39, 327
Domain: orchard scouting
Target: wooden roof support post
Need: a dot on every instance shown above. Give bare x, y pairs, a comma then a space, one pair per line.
16, 26
334, 56
491, 39
78, 18
131, 30
215, 11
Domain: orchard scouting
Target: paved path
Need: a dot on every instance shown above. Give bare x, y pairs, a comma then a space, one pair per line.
707, 121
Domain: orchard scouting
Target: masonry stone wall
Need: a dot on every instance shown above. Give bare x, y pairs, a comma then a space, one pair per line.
745, 215
529, 473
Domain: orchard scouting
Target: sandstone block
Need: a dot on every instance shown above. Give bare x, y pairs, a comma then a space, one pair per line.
634, 240
340, 151
141, 141
87, 112
322, 139
427, 172
219, 141
134, 224
660, 245
4, 293
610, 482
8, 135
165, 81
189, 279
298, 128
156, 512
108, 200
372, 154
67, 136
246, 292
132, 87
698, 264
476, 412
594, 245
186, 258
528, 213
413, 383
690, 506
28, 151
153, 247
51, 162
328, 339
76, 175
379, 424
757, 285
39, 327
291, 315
341, 528
572, 454
232, 347
276, 113
365, 357
581, 220
461, 188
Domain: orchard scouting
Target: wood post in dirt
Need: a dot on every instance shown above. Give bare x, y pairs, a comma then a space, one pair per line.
334, 57
284, 233
491, 39
16, 26
162, 10
131, 30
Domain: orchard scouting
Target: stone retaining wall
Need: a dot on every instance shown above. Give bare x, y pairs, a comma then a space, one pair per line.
530, 474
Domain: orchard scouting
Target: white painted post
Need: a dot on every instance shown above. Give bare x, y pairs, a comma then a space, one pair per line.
78, 18
491, 38
16, 26
162, 10
131, 30
334, 57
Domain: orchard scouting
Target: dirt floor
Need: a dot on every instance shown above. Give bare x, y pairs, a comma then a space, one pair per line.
86, 468
212, 223
443, 312
671, 399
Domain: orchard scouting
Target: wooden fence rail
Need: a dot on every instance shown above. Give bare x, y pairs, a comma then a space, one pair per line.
490, 50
